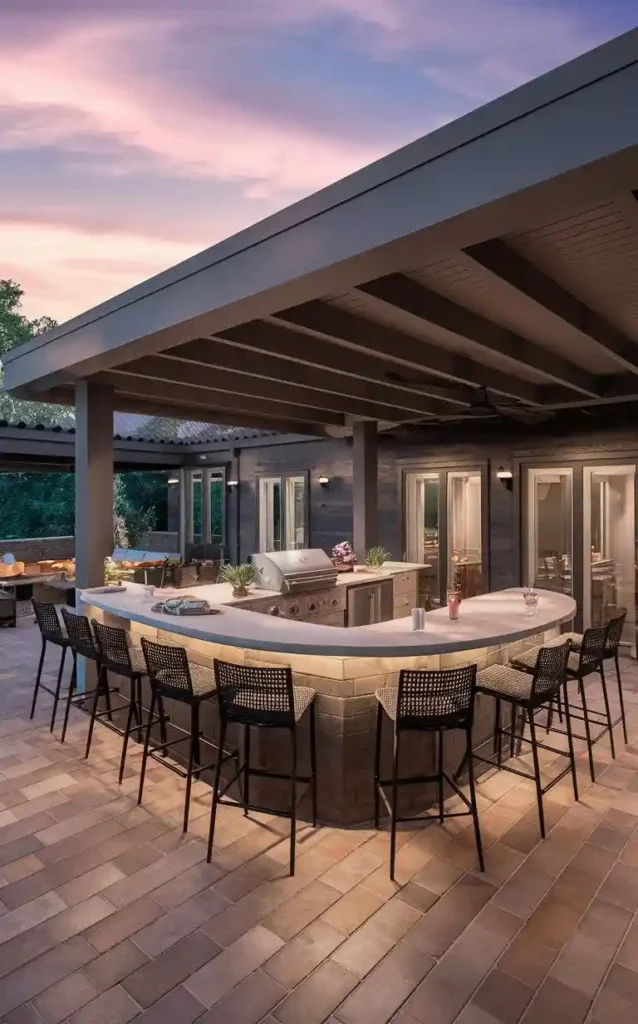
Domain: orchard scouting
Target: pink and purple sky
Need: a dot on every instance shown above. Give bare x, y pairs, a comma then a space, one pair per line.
134, 134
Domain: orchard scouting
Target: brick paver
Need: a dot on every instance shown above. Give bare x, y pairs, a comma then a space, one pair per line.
109, 915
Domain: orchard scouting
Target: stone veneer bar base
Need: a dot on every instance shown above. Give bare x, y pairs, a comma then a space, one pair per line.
345, 718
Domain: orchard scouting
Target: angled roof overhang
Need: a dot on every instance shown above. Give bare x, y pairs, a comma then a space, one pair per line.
498, 253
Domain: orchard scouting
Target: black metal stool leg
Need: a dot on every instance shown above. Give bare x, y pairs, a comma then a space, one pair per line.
213, 808
147, 741
58, 686
377, 763
293, 800
497, 725
162, 724
127, 731
38, 677
69, 697
189, 771
102, 680
313, 764
570, 741
537, 771
590, 748
393, 810
107, 697
610, 724
621, 698
440, 773
246, 769
475, 817
197, 754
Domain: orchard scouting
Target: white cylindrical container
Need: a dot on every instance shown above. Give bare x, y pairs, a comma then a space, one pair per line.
418, 619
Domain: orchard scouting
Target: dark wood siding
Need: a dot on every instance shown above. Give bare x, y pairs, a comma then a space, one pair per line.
512, 446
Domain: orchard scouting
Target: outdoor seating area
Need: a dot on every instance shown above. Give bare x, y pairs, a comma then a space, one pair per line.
111, 911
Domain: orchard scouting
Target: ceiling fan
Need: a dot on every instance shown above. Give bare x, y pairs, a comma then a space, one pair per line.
482, 402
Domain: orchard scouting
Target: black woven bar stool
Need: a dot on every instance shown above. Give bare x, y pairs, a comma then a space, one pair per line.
116, 656
435, 703
615, 626
582, 663
51, 632
174, 677
82, 642
529, 692
264, 698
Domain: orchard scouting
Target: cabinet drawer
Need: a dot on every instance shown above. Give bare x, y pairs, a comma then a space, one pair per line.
405, 581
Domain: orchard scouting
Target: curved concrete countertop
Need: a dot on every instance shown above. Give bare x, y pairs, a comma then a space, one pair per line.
484, 621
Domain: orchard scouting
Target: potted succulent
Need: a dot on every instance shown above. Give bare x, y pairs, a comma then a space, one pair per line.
343, 556
239, 576
376, 556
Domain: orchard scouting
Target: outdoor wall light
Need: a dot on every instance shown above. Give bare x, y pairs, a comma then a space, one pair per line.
202, 458
324, 480
232, 483
505, 476
173, 480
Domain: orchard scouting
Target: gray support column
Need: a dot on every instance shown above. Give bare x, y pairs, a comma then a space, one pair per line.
93, 481
364, 487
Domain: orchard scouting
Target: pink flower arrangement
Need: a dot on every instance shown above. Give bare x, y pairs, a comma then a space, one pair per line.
343, 553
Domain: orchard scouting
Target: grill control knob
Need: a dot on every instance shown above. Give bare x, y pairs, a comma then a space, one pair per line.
274, 610
312, 607
294, 609
334, 602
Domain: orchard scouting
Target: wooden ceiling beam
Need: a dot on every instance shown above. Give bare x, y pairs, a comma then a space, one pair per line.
508, 265
216, 402
403, 293
243, 388
405, 350
225, 355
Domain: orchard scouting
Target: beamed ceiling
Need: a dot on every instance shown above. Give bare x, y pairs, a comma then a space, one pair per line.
489, 270
535, 321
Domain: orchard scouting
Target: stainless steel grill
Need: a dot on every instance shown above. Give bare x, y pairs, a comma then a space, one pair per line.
295, 572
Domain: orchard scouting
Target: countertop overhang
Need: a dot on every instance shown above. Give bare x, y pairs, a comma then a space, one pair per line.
485, 621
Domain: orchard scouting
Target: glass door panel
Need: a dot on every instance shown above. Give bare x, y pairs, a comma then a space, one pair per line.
270, 520
422, 531
550, 529
295, 517
217, 492
609, 542
464, 526
197, 508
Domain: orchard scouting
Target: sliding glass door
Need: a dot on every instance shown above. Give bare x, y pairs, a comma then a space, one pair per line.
464, 530
422, 529
550, 529
609, 545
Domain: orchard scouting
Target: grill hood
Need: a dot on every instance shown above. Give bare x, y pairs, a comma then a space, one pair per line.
295, 572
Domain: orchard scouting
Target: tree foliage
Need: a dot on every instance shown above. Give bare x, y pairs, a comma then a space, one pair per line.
16, 329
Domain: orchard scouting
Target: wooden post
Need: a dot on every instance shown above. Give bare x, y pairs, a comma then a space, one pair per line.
365, 523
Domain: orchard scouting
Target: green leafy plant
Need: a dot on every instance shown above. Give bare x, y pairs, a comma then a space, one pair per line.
239, 576
376, 556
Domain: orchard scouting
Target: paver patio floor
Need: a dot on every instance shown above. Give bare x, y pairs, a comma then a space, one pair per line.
108, 914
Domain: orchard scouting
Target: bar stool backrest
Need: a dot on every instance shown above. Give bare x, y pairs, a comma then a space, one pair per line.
550, 671
592, 649
442, 699
615, 626
168, 670
48, 621
255, 696
112, 646
79, 632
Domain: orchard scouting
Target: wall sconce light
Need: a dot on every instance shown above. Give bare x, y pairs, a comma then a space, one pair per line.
173, 480
505, 476
202, 458
324, 481
232, 483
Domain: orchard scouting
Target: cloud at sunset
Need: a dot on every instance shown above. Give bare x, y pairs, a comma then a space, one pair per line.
133, 136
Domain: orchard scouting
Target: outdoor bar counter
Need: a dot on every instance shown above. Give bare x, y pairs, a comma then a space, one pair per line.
344, 667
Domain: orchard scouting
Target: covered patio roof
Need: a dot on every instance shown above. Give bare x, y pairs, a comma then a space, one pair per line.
490, 268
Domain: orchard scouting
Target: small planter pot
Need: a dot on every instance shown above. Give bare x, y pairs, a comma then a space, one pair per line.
240, 591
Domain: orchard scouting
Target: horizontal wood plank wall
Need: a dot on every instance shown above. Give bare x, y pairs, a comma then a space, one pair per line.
510, 446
